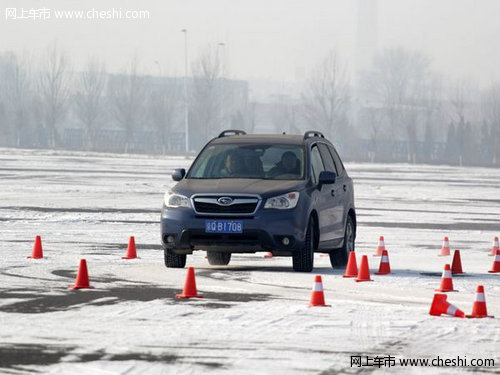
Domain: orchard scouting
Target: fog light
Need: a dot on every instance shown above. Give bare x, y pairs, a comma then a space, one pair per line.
285, 241
170, 239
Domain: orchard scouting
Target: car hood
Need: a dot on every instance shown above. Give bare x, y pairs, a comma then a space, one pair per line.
264, 188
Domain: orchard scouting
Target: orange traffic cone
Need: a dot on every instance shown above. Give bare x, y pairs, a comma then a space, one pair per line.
352, 266
446, 280
131, 252
37, 249
380, 247
317, 296
82, 277
456, 264
496, 263
441, 306
479, 307
189, 286
494, 247
364, 270
268, 255
445, 248
385, 267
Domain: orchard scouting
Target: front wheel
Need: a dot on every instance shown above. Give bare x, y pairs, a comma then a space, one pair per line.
217, 258
338, 257
303, 260
173, 260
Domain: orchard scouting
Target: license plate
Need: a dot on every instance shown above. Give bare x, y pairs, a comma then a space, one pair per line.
223, 226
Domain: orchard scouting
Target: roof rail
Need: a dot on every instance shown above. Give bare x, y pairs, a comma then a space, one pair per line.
313, 133
229, 132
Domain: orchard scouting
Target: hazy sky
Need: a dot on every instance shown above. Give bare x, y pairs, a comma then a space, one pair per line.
265, 39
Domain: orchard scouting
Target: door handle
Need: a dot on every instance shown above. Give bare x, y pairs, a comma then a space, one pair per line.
332, 193
345, 188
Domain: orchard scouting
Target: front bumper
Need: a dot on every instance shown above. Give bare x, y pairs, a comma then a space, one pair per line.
262, 232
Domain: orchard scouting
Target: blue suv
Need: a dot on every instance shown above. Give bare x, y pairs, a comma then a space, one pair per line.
285, 194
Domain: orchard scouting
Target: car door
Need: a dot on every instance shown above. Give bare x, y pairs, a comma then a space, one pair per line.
318, 195
344, 188
334, 229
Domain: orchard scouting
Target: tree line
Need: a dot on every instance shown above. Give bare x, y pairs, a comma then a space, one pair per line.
398, 99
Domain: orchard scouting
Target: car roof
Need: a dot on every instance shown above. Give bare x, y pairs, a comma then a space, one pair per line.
264, 139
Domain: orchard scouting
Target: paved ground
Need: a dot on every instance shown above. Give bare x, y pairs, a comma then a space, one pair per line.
254, 317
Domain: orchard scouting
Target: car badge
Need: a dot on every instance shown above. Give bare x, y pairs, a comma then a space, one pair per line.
225, 201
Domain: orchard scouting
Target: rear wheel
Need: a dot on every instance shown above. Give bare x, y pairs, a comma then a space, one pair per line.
217, 258
303, 260
173, 260
338, 257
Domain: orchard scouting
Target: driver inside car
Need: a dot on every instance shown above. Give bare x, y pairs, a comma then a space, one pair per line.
288, 165
233, 165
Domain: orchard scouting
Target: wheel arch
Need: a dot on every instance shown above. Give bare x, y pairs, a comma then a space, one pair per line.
352, 215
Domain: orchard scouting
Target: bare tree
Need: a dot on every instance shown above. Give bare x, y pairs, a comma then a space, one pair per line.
89, 98
128, 93
326, 97
250, 110
433, 100
374, 119
54, 89
460, 99
397, 81
432, 103
206, 93
163, 101
491, 111
284, 115
245, 118
4, 123
420, 103
17, 91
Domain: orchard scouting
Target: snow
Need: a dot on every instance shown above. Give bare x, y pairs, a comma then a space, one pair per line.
255, 316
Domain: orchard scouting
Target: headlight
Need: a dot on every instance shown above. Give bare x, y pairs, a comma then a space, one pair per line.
176, 200
283, 202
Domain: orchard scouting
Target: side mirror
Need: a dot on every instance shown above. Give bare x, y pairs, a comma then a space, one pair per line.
326, 178
178, 174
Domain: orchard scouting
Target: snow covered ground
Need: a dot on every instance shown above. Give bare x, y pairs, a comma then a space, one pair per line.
255, 316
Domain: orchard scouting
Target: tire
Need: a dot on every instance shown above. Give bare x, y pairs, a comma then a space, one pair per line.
173, 260
303, 260
217, 258
339, 257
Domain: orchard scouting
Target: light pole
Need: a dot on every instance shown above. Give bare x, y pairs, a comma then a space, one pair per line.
222, 98
186, 108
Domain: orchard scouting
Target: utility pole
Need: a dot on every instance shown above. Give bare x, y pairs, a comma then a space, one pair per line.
186, 106
223, 88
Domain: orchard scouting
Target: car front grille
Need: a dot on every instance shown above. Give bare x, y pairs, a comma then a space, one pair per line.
239, 205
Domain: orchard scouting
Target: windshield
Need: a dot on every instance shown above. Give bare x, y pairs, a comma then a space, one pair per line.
259, 161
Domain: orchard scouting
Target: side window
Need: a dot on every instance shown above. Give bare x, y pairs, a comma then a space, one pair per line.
338, 162
316, 164
327, 158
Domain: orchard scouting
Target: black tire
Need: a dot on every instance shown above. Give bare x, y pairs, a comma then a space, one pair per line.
303, 260
173, 260
339, 257
217, 258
